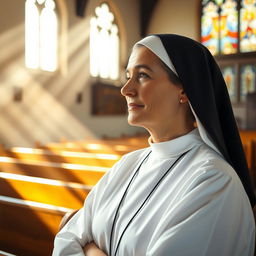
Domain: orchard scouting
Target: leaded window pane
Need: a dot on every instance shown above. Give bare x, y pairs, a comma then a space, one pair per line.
229, 75
104, 44
248, 80
248, 26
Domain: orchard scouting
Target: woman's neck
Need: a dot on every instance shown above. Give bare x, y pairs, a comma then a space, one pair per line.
161, 134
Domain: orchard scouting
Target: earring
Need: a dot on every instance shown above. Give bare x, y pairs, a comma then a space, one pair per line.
181, 100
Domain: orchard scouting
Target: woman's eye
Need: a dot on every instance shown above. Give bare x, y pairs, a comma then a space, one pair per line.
143, 75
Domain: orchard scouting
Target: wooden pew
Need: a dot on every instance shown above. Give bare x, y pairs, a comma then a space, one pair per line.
35, 185
2, 253
247, 138
54, 192
253, 161
247, 150
137, 140
247, 135
62, 156
85, 174
28, 228
91, 147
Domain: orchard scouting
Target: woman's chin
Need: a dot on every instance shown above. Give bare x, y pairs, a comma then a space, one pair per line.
133, 121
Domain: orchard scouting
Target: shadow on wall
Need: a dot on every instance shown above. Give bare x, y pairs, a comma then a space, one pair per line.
43, 114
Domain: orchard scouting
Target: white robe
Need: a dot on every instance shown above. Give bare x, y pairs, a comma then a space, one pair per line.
199, 209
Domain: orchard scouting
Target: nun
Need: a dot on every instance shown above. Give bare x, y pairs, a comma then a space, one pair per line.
189, 192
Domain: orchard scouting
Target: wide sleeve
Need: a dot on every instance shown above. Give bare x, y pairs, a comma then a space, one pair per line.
212, 217
78, 231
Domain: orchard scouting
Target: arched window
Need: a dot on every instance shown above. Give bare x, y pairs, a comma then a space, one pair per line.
228, 30
41, 34
104, 44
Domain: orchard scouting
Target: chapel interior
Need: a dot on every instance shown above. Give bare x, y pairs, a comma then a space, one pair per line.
63, 122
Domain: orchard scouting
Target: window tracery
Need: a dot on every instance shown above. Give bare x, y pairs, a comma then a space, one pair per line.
41, 34
104, 44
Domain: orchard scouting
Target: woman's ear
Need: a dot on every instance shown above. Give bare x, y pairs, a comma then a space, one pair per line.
183, 96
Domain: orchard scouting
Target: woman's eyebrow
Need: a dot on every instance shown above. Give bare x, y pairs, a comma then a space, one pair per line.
141, 66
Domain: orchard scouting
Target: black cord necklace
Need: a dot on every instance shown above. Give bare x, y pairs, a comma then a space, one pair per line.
144, 202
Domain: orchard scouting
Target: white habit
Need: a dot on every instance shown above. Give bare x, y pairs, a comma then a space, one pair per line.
199, 208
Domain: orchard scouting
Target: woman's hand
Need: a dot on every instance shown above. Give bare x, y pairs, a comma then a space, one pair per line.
91, 249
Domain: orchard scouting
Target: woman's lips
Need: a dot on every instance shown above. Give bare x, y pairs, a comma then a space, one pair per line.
134, 106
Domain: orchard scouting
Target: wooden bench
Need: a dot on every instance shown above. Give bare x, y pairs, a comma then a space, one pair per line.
91, 147
85, 174
247, 150
253, 161
39, 186
62, 156
247, 135
2, 253
28, 228
54, 192
248, 138
138, 141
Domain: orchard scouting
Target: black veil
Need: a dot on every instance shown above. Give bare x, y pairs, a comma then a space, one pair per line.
205, 87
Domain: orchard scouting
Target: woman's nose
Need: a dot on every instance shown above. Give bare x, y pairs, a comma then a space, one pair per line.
128, 89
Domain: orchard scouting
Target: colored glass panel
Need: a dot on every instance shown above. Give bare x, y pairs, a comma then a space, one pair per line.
210, 26
219, 26
228, 27
229, 75
248, 80
248, 26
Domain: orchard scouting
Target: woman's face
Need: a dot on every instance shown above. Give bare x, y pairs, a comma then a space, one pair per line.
153, 100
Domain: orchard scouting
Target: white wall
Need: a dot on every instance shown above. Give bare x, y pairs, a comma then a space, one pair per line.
48, 110
177, 17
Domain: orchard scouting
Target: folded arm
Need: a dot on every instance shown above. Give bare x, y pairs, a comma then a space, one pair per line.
91, 249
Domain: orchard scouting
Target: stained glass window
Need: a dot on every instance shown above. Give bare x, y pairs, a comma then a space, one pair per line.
219, 26
248, 80
104, 44
229, 75
248, 26
41, 29
228, 27
210, 26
